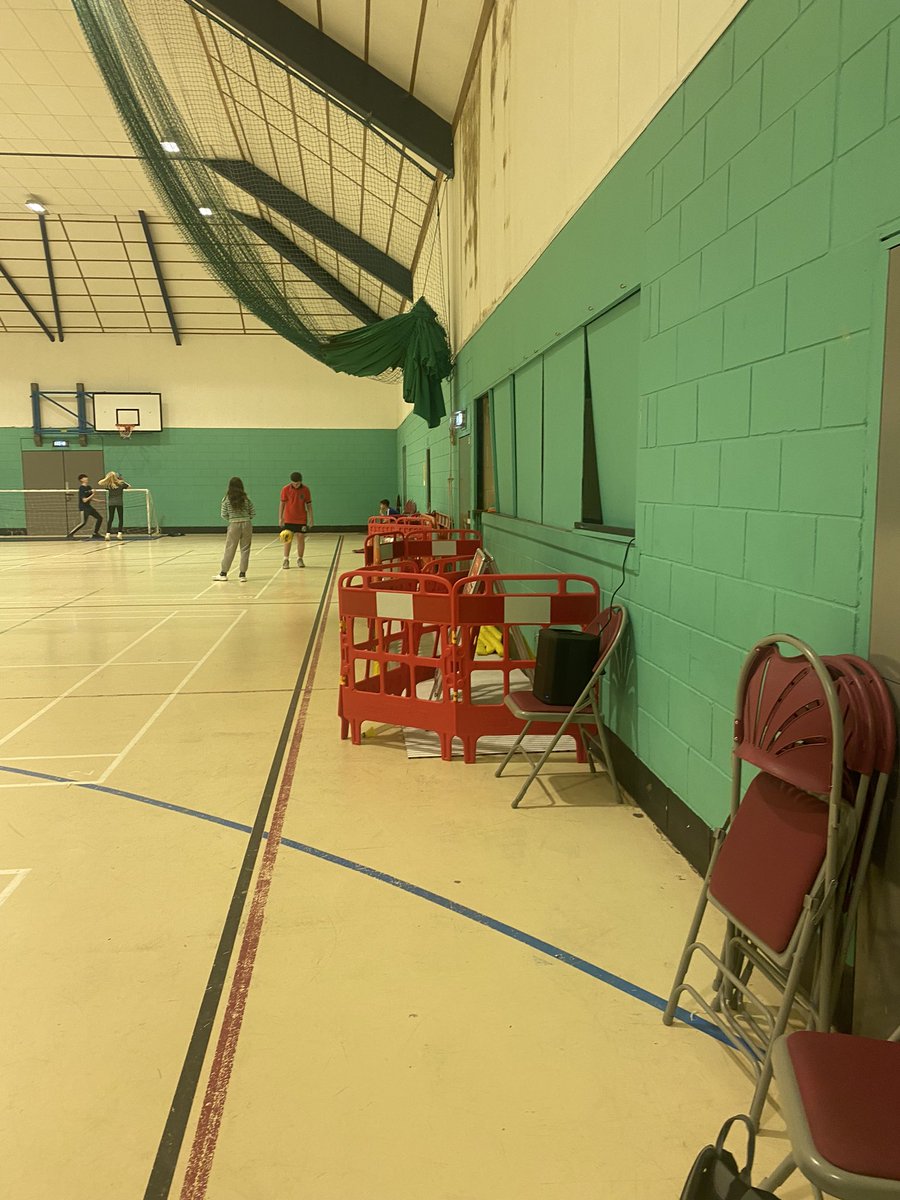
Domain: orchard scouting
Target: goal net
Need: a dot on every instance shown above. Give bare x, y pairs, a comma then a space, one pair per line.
53, 512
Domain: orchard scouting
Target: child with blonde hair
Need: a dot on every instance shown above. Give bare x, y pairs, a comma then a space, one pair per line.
115, 487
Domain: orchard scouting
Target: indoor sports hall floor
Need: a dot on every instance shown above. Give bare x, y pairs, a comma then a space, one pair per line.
425, 996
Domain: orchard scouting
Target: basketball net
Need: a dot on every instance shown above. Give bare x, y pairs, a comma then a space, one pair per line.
125, 431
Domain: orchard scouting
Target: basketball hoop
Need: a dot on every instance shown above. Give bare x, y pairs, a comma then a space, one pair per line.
125, 431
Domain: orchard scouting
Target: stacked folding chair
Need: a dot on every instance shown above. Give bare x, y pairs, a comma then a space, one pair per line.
788, 866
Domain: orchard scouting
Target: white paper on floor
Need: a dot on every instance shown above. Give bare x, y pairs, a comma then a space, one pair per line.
487, 688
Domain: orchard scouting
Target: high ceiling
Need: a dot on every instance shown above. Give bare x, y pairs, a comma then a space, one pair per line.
61, 140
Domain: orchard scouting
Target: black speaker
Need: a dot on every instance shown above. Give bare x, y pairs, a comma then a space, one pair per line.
565, 662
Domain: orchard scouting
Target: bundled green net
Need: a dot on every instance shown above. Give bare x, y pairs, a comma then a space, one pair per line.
319, 225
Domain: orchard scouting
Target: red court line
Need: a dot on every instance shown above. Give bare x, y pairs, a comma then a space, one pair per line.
209, 1122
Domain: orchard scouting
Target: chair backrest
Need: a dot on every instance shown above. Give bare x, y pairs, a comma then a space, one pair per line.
884, 732
609, 624
786, 724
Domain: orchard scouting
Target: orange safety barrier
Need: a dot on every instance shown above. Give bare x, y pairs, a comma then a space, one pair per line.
549, 600
395, 634
398, 524
421, 544
399, 631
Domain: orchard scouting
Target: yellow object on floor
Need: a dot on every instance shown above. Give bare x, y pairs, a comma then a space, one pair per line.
490, 641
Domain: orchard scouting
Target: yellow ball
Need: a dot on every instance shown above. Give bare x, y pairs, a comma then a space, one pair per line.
286, 535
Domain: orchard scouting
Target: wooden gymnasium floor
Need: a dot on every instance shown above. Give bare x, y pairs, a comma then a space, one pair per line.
425, 996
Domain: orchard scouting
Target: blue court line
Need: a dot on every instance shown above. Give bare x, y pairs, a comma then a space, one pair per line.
634, 990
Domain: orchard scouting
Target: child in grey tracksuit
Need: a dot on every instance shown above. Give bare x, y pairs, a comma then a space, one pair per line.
238, 511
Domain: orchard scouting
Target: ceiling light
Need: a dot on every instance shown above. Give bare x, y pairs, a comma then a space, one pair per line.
204, 211
171, 147
35, 205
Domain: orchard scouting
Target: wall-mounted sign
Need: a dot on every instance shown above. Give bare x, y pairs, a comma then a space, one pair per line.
60, 443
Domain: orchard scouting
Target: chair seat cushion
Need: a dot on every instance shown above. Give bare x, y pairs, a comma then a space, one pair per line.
524, 703
769, 860
851, 1093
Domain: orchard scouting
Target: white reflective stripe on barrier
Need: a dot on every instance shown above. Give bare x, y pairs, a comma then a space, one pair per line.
444, 549
526, 610
398, 605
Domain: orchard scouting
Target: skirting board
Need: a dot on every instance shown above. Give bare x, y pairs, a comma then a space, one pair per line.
688, 833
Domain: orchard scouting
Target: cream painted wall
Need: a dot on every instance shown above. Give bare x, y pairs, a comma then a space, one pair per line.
207, 383
560, 93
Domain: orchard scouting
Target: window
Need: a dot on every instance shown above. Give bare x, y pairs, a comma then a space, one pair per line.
486, 493
611, 399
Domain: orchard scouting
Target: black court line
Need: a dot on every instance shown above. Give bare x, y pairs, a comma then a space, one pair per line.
166, 1161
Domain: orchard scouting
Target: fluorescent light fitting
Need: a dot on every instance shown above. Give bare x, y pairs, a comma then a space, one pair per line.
171, 147
35, 205
204, 211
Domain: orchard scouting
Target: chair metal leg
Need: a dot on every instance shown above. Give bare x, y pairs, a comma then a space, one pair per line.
783, 1171
515, 747
784, 1012
536, 769
687, 952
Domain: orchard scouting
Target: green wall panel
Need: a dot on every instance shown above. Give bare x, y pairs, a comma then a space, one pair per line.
187, 470
749, 213
529, 389
563, 431
503, 417
613, 355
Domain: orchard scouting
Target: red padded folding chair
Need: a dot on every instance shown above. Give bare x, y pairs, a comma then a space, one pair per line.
840, 1096
778, 862
586, 713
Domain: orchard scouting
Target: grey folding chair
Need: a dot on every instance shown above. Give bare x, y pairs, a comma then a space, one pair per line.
840, 1096
585, 713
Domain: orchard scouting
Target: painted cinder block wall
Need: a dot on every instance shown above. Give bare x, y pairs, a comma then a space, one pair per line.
754, 213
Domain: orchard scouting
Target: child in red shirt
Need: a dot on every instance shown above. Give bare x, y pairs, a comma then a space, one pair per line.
295, 513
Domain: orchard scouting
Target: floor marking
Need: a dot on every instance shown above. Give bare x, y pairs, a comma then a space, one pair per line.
209, 1121
48, 757
166, 1160
18, 874
77, 685
271, 581
168, 700
617, 982
44, 783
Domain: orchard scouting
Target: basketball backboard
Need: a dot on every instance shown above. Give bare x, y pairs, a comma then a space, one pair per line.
143, 410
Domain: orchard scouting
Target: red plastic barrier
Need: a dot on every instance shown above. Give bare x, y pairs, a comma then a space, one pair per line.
398, 524
421, 544
400, 630
548, 600
395, 634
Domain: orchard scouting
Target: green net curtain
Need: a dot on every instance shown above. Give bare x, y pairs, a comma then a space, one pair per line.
414, 341
175, 78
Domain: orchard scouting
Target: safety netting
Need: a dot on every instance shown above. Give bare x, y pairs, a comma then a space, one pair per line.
319, 224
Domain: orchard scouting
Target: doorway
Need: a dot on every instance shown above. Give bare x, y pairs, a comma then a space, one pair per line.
54, 474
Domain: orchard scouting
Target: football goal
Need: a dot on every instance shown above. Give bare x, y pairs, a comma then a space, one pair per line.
53, 512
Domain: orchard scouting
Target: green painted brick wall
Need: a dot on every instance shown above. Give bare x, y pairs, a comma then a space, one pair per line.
750, 213
187, 470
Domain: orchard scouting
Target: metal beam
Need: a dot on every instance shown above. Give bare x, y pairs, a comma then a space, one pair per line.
48, 258
164, 291
292, 253
379, 101
319, 224
34, 312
